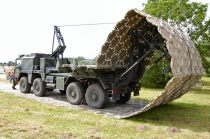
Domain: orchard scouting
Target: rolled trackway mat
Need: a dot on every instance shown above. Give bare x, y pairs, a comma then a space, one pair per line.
185, 62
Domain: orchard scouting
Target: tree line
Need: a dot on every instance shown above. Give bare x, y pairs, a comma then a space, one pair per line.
188, 17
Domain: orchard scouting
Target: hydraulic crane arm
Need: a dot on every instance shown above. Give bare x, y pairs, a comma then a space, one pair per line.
61, 44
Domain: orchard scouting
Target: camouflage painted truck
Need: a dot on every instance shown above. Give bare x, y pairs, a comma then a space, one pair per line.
120, 65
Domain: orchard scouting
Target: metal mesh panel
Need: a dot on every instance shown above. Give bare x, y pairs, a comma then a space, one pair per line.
185, 60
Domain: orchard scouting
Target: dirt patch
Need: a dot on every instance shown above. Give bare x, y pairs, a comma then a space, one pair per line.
94, 133
93, 137
36, 132
142, 128
93, 130
26, 109
173, 130
67, 136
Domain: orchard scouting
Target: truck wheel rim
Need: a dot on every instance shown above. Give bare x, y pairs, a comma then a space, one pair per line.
37, 88
73, 94
94, 96
23, 85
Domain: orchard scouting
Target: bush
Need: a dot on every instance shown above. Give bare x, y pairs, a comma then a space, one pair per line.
156, 75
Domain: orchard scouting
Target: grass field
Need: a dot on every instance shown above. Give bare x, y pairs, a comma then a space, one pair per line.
187, 117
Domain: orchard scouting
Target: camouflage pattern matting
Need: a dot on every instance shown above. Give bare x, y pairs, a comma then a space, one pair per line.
185, 60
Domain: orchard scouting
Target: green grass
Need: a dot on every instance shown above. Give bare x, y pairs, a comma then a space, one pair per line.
188, 116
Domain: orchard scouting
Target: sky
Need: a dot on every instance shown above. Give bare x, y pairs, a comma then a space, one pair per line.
27, 25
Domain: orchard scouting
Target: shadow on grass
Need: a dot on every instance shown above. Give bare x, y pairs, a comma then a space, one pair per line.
181, 115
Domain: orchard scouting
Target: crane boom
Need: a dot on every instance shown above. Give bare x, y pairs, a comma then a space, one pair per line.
61, 44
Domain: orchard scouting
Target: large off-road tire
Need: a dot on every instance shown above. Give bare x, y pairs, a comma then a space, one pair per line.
25, 87
124, 99
95, 96
75, 93
39, 87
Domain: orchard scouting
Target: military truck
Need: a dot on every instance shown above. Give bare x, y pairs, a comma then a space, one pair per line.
81, 84
128, 51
